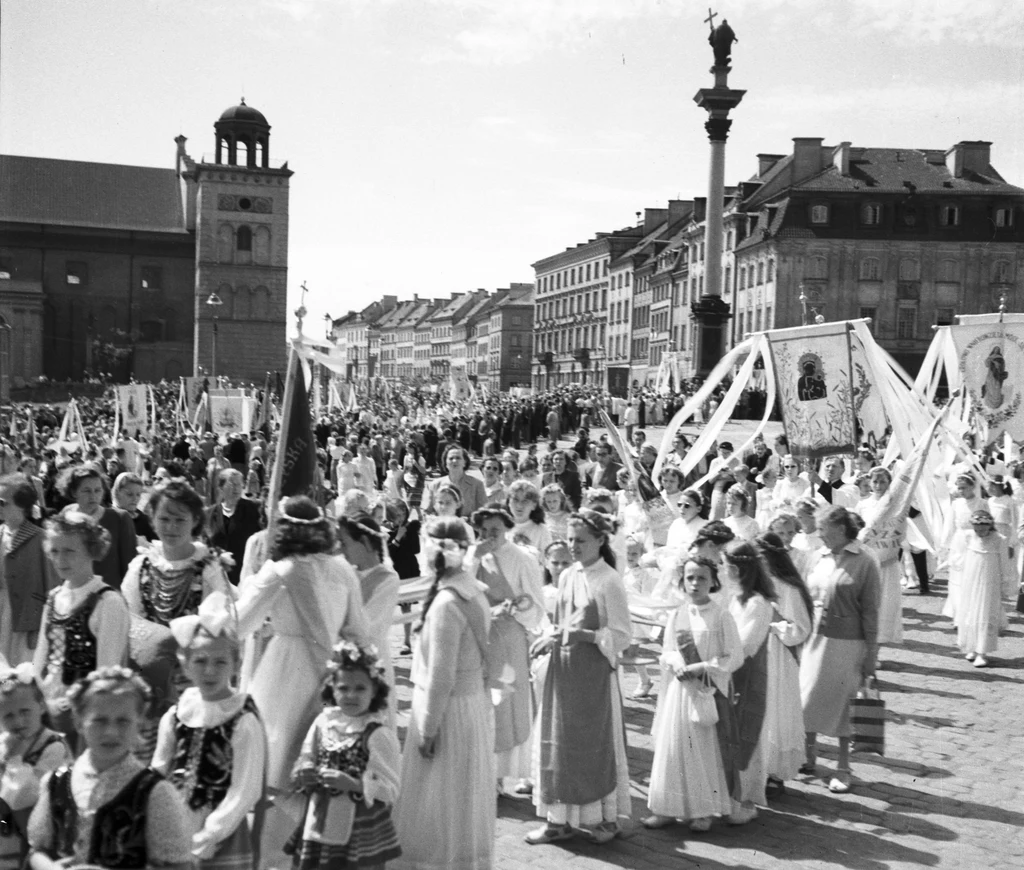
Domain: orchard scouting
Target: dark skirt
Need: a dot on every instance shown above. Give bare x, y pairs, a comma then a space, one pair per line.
373, 841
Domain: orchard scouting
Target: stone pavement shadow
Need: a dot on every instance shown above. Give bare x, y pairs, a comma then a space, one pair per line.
986, 675
897, 689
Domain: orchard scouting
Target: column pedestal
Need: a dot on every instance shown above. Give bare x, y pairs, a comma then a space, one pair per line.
710, 313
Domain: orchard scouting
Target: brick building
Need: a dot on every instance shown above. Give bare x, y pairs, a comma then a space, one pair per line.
107, 267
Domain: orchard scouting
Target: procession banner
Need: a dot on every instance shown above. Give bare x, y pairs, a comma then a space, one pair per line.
230, 414
867, 398
990, 359
461, 388
814, 374
132, 408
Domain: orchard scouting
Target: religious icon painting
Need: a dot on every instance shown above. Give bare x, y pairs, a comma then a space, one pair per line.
814, 375
991, 361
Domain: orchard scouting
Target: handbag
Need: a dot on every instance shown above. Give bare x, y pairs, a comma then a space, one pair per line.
1020, 599
703, 710
867, 716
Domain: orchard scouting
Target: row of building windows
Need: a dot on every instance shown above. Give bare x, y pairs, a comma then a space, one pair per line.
584, 303
756, 275
566, 340
909, 269
573, 276
870, 214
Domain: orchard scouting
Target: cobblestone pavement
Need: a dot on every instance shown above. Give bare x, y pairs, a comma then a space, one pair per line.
947, 793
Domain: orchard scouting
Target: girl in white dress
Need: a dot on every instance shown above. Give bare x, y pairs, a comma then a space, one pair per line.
887, 551
312, 597
986, 576
689, 780
446, 811
683, 530
790, 627
528, 517
791, 486
954, 537
556, 510
742, 524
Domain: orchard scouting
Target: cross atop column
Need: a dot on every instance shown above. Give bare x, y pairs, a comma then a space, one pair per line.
710, 20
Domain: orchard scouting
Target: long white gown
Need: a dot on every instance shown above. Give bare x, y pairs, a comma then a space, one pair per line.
687, 774
954, 537
784, 737
887, 551
753, 619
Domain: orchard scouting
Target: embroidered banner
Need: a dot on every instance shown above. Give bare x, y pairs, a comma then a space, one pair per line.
230, 414
991, 362
132, 401
867, 397
813, 370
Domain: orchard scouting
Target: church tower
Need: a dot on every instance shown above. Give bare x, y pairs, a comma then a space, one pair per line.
241, 224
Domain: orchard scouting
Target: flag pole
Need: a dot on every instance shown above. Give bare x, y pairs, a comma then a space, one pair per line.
276, 475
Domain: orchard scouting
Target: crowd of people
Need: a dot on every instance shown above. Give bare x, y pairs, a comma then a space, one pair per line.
182, 686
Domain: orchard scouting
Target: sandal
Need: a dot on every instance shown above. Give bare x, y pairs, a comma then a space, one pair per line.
643, 690
603, 833
840, 783
549, 833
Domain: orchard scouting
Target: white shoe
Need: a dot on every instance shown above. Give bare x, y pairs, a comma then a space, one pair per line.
980, 662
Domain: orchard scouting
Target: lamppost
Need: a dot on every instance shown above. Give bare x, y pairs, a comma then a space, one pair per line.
328, 323
214, 301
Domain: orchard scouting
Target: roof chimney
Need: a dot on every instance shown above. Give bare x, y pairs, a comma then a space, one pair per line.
841, 158
678, 209
806, 158
967, 157
767, 161
700, 208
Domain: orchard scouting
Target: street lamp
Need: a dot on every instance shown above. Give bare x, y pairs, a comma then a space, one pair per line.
327, 326
214, 301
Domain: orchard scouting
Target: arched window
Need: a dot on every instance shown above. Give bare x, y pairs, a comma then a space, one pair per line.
1002, 272
225, 244
817, 267
243, 297
243, 239
870, 269
910, 269
261, 246
260, 304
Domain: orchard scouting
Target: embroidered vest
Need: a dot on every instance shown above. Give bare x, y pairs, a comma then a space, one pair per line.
163, 605
350, 755
204, 759
119, 828
72, 636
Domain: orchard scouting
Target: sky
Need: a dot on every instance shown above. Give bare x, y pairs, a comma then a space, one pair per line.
440, 146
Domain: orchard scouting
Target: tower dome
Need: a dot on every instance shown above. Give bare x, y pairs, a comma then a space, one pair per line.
243, 125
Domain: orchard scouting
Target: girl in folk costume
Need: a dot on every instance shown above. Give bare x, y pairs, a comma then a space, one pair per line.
168, 580
362, 543
528, 517
692, 764
886, 545
108, 809
556, 510
211, 744
752, 609
954, 537
446, 812
28, 750
311, 597
86, 487
349, 770
26, 575
512, 576
580, 756
790, 627
85, 623
986, 576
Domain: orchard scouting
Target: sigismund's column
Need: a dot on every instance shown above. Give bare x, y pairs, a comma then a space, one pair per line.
711, 312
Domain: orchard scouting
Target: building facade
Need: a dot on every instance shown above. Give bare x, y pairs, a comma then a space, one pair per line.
510, 339
110, 267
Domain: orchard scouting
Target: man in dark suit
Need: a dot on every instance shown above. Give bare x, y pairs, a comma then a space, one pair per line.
604, 472
233, 520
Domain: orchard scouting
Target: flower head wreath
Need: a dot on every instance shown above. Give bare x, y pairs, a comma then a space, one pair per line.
347, 656
114, 674
283, 515
22, 675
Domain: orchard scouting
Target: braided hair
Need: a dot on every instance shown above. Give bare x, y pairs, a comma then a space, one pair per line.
441, 529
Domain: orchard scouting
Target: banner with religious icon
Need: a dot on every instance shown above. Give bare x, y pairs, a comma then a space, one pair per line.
814, 374
230, 414
132, 410
990, 357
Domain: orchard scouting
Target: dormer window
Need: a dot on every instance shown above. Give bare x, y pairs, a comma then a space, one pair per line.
949, 215
871, 214
819, 214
